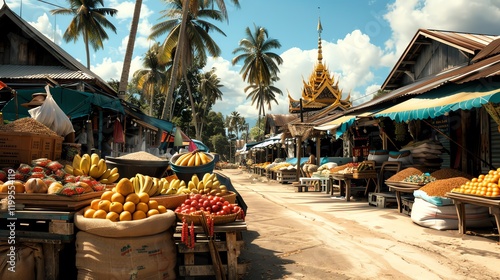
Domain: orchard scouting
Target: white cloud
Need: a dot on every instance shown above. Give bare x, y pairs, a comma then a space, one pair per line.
44, 26
109, 69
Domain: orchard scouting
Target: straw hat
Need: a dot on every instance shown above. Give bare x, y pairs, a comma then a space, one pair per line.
37, 100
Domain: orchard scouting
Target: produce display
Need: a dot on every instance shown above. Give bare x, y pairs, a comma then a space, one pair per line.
93, 166
49, 177
486, 185
194, 158
420, 179
123, 204
147, 184
346, 168
209, 184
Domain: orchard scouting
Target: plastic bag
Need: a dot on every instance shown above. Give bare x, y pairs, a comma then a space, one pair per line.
51, 115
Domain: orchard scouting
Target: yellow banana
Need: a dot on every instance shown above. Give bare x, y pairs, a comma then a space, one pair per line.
192, 160
201, 186
105, 175
205, 177
195, 179
77, 172
85, 164
102, 166
181, 159
171, 191
94, 159
215, 184
76, 161
181, 190
146, 184
68, 169
113, 177
191, 185
104, 181
204, 158
94, 171
209, 184
113, 171
175, 184
197, 159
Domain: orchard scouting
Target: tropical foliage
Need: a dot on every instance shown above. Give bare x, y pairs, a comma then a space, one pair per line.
89, 21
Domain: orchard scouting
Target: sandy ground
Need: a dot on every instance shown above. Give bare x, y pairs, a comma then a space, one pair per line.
312, 236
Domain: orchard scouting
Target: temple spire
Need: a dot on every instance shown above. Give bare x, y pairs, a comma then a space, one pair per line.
320, 52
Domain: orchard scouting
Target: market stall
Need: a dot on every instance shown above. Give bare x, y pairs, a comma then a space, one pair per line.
98, 206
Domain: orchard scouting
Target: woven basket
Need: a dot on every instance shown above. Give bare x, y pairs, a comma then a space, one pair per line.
170, 201
231, 197
196, 218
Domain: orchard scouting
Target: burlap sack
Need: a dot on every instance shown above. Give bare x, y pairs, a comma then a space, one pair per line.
106, 228
145, 258
27, 262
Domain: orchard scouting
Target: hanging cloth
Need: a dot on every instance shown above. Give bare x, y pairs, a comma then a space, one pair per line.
118, 132
192, 146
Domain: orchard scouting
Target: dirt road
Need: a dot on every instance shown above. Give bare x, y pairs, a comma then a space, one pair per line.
312, 236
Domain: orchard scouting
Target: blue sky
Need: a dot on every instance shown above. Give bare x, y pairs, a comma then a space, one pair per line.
361, 40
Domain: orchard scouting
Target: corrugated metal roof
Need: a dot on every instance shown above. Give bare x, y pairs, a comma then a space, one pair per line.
466, 42
41, 72
63, 57
491, 49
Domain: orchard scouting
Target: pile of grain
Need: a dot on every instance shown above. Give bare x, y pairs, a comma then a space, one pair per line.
447, 173
401, 175
441, 187
28, 125
140, 156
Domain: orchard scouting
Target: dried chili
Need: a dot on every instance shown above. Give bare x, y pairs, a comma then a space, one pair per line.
192, 236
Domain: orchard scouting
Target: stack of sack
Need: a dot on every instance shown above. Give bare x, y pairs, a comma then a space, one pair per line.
426, 153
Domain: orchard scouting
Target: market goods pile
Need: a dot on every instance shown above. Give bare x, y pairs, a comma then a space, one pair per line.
483, 185
195, 158
47, 176
28, 125
93, 166
123, 204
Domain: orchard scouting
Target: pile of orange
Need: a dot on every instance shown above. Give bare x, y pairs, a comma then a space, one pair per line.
123, 204
484, 185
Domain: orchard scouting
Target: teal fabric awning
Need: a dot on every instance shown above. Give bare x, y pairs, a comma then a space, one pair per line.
443, 100
74, 103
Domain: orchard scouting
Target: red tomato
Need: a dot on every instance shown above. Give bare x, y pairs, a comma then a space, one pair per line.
206, 204
226, 202
194, 203
226, 209
236, 209
215, 208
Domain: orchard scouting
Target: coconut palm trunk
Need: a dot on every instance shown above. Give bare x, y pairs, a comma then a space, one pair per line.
122, 87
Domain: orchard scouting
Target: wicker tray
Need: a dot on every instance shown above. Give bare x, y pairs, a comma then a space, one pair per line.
218, 219
170, 201
231, 197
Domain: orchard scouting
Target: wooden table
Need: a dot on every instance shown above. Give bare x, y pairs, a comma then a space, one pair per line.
461, 199
347, 177
402, 187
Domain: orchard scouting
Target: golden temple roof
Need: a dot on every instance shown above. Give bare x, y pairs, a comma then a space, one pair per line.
320, 90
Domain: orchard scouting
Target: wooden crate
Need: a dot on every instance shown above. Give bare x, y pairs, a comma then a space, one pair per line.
286, 176
382, 200
23, 147
407, 203
196, 262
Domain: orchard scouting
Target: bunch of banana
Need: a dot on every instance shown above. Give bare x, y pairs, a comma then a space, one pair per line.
175, 186
92, 165
209, 184
147, 184
194, 158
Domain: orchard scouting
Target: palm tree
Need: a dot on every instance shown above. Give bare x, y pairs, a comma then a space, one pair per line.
153, 78
260, 67
198, 43
209, 88
130, 47
234, 121
89, 21
182, 42
260, 64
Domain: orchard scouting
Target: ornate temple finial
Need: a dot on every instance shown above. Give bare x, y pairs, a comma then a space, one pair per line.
320, 52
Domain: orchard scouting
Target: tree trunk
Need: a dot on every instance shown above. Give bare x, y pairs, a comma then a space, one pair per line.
86, 42
122, 87
193, 112
167, 107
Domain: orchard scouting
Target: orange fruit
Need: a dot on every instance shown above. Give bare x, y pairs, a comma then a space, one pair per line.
138, 215
118, 197
125, 187
153, 212
129, 206
100, 214
125, 216
89, 213
133, 197
112, 216
153, 204
104, 205
94, 204
107, 195
141, 206
144, 197
116, 207
162, 209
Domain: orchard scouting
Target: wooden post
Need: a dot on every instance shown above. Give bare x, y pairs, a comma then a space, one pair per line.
299, 154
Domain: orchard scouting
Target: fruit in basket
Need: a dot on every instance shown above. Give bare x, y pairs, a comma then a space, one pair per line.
194, 158
147, 184
124, 187
208, 203
94, 166
7, 186
35, 185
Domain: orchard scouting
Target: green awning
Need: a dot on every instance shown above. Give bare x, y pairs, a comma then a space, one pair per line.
73, 103
443, 100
